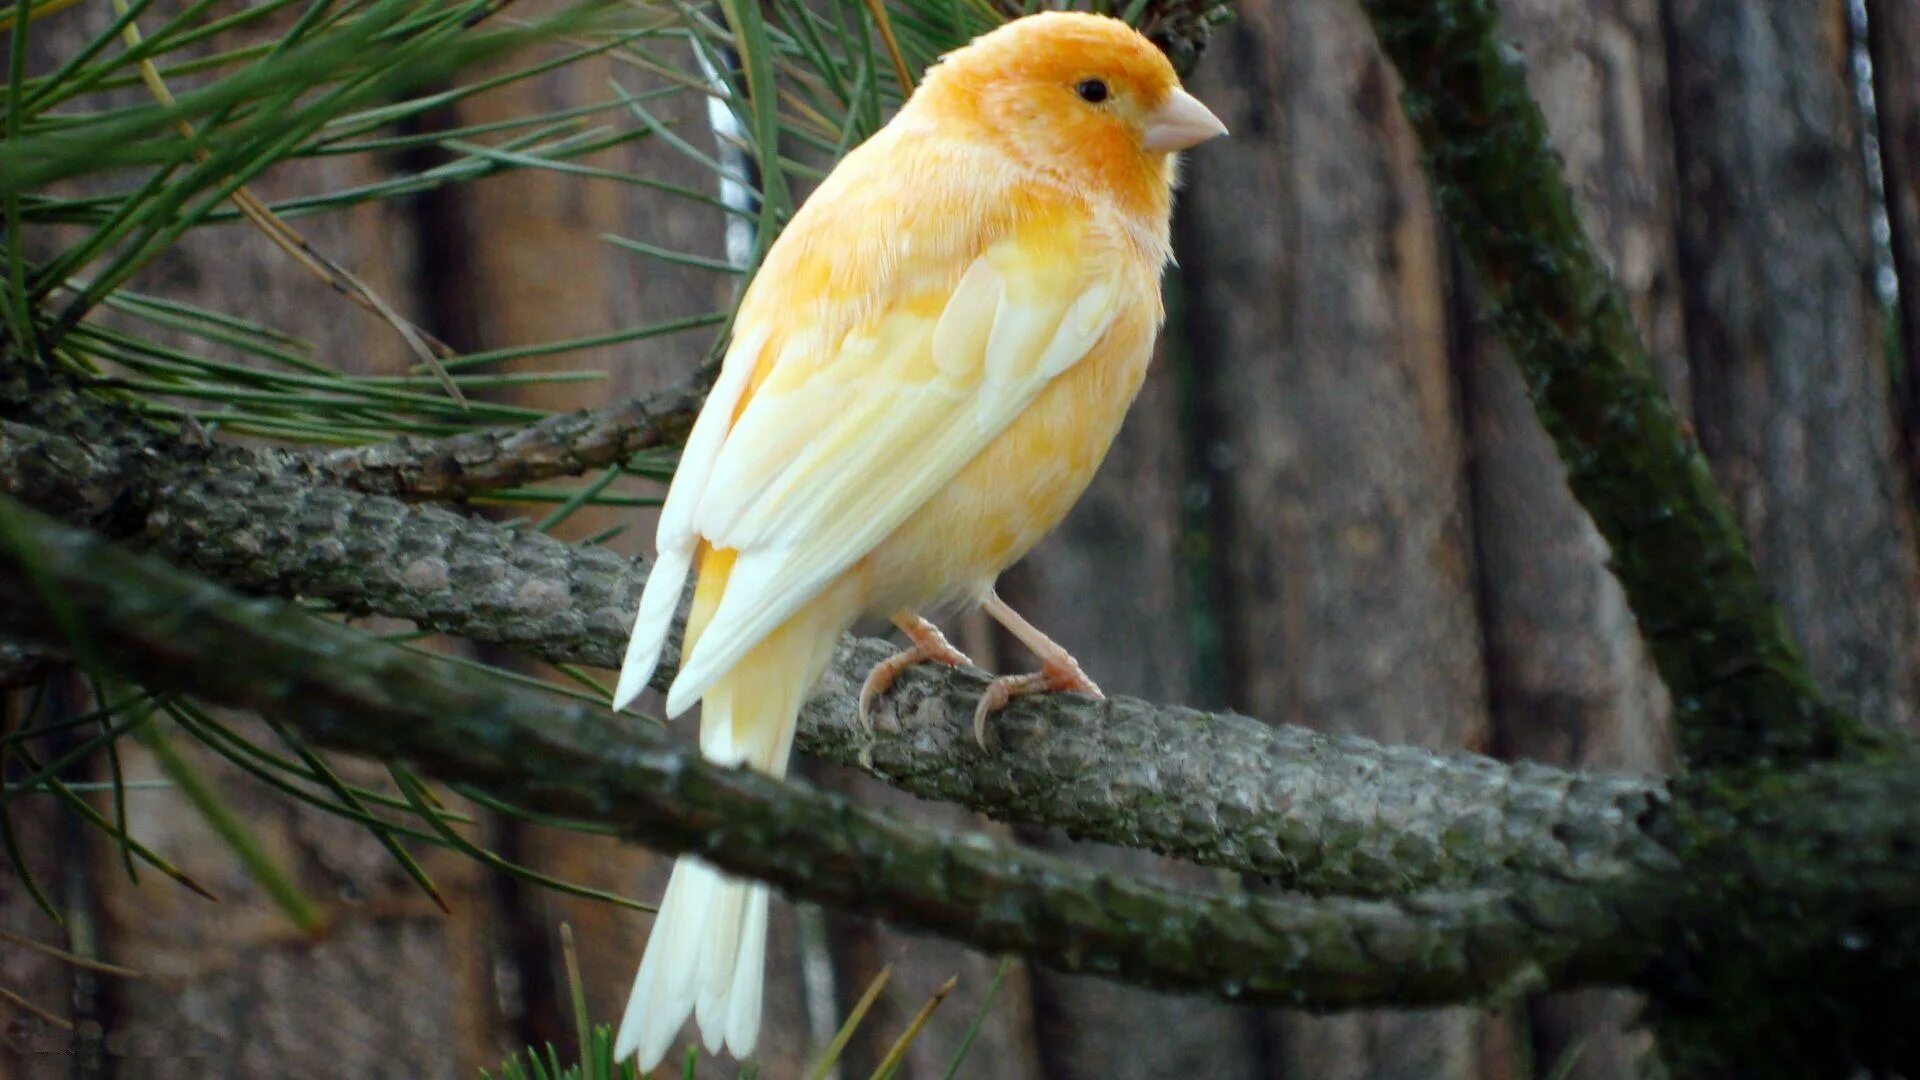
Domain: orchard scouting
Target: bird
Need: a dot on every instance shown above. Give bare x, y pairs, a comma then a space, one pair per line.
929, 365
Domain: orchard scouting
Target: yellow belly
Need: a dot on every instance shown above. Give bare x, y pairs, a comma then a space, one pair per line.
1018, 488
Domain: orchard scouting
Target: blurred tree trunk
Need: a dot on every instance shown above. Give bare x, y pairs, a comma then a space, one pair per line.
1893, 28
1791, 388
1568, 676
1346, 584
1123, 559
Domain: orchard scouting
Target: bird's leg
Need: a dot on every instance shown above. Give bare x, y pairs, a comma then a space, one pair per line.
929, 646
1059, 671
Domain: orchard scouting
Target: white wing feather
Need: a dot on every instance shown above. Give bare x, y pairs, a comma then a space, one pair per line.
675, 539
811, 480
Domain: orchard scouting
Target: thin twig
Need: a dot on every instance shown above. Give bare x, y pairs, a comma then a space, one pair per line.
68, 958
22, 1003
878, 8
898, 1051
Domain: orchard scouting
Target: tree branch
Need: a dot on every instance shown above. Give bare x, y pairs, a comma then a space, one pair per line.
1318, 814
1741, 690
564, 445
346, 691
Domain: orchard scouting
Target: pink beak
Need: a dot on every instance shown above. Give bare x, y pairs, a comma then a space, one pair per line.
1180, 122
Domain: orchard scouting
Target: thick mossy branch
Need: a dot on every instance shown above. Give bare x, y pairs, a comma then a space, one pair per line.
1182, 28
170, 631
1807, 874
1741, 691
1315, 813
1767, 980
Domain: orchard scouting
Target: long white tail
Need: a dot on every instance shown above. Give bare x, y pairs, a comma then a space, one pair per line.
707, 954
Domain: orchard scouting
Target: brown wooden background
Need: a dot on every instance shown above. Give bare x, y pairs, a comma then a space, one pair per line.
1331, 506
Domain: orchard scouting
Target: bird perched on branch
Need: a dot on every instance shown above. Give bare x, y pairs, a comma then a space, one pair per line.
925, 373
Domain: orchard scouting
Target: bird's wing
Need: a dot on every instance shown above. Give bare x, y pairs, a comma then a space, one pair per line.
839, 443
675, 541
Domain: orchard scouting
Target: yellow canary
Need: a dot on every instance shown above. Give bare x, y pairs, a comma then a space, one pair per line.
923, 377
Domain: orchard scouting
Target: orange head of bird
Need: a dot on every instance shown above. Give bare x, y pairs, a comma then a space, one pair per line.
1084, 97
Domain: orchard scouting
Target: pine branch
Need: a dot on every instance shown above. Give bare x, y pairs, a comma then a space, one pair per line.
1318, 814
346, 691
488, 459
1786, 889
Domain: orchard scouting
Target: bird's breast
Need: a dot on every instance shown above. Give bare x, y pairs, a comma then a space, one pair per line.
1021, 486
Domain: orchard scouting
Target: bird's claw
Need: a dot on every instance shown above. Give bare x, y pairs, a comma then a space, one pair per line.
1060, 674
933, 649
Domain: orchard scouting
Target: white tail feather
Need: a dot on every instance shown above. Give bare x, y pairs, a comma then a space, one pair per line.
749, 974
708, 951
716, 966
706, 957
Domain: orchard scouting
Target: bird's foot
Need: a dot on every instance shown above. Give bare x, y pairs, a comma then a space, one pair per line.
929, 646
1059, 673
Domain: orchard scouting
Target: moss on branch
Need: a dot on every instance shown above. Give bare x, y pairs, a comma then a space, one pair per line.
344, 690
1741, 690
1319, 814
1808, 874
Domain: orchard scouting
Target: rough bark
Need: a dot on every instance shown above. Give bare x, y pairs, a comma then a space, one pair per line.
1791, 391
1346, 593
345, 691
1007, 1043
1789, 885
1214, 788
1130, 527
1569, 679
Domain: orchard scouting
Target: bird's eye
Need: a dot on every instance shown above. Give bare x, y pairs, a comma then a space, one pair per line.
1091, 91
